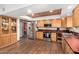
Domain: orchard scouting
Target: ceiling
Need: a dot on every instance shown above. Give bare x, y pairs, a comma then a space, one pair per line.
17, 10
45, 13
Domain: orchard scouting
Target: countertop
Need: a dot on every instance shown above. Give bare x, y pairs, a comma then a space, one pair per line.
50, 31
73, 42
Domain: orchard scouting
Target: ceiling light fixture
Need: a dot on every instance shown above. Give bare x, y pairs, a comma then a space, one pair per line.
32, 14
70, 7
29, 11
51, 11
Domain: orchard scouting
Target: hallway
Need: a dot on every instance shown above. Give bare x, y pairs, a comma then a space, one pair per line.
25, 46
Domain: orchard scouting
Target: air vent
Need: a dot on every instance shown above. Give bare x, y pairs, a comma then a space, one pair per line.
3, 9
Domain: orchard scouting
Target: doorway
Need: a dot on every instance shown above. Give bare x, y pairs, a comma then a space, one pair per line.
23, 28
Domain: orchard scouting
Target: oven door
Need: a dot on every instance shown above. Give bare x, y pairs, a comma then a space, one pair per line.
47, 36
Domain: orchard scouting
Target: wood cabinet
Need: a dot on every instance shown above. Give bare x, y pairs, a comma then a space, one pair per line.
66, 48
56, 23
5, 39
47, 21
40, 23
53, 37
7, 31
53, 22
76, 16
63, 22
13, 38
69, 21
39, 35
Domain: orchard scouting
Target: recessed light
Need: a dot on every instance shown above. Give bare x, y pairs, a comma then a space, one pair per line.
29, 11
69, 7
32, 14
50, 10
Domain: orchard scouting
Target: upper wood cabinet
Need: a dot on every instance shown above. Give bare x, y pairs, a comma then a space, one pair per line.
69, 21
56, 23
47, 21
76, 16
63, 22
40, 23
53, 22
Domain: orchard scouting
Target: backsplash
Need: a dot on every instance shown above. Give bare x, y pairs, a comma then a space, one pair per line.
75, 29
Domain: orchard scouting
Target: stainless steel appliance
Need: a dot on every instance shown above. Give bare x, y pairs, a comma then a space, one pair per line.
47, 36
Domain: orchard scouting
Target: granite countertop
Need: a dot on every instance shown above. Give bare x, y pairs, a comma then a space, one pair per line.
50, 31
73, 42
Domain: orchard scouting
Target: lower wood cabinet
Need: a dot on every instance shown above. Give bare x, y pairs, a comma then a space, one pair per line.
13, 37
7, 39
53, 37
39, 35
1, 41
4, 40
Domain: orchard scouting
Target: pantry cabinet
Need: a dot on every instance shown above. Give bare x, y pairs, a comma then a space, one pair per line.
76, 16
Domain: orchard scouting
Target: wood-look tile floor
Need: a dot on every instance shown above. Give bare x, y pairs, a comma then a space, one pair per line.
25, 46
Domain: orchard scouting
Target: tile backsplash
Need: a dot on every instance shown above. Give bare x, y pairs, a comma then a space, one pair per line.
74, 29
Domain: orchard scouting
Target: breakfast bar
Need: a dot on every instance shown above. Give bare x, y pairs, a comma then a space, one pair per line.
70, 44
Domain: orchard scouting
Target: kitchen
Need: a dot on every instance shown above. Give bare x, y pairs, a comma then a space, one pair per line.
59, 30
56, 24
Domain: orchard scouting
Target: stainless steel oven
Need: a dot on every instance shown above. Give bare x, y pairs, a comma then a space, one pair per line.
47, 36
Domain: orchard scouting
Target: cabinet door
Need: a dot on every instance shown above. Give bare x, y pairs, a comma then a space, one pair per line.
39, 35
53, 37
1, 42
63, 22
5, 40
13, 38
69, 21
56, 23
40, 23
76, 16
47, 21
